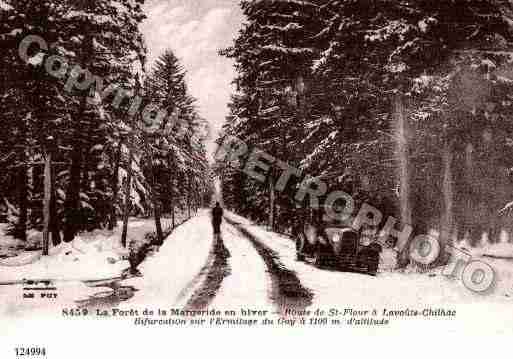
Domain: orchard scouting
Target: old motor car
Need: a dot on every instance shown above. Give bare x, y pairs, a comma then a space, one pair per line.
334, 245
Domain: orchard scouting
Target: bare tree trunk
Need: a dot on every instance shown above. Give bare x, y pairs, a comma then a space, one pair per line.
447, 189
54, 218
173, 215
272, 200
156, 204
47, 201
115, 185
171, 195
21, 226
189, 198
493, 173
158, 224
468, 199
404, 171
126, 207
404, 163
155, 196
72, 203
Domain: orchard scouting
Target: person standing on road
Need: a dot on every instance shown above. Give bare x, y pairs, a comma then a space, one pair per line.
217, 218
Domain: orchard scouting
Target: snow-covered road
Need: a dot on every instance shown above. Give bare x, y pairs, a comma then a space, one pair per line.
195, 271
250, 267
248, 283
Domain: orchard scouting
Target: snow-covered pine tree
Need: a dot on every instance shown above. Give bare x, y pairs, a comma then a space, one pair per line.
449, 62
40, 103
442, 57
273, 55
105, 39
178, 149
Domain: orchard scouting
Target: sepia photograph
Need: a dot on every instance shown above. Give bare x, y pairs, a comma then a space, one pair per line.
241, 172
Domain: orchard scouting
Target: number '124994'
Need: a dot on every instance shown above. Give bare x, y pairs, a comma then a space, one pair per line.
30, 352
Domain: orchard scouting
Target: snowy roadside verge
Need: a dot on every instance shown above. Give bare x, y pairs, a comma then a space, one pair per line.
389, 287
169, 276
91, 256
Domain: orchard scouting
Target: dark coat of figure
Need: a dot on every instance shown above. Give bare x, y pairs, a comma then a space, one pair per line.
217, 218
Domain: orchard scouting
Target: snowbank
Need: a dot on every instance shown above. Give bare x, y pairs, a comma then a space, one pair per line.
173, 274
91, 255
65, 262
499, 256
95, 255
389, 287
8, 241
22, 259
496, 250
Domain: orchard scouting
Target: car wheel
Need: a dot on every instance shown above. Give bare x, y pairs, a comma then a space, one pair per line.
299, 248
318, 257
373, 266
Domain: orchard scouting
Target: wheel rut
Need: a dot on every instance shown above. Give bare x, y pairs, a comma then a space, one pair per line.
215, 270
287, 291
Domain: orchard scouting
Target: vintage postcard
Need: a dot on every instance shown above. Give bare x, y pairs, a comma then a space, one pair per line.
177, 167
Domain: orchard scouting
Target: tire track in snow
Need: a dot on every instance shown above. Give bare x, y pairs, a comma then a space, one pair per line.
193, 283
286, 288
249, 284
215, 270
